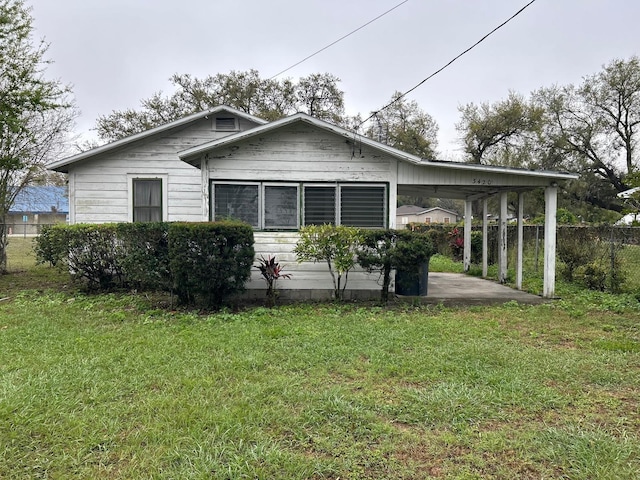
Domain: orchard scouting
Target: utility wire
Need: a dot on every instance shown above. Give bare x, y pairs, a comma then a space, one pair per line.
373, 114
338, 40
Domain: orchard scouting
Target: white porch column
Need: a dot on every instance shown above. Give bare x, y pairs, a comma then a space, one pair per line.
485, 238
551, 206
502, 239
519, 266
204, 185
468, 213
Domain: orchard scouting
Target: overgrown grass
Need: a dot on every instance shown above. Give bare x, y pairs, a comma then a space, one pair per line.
109, 386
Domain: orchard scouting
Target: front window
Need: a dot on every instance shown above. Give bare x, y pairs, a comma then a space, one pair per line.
319, 205
281, 207
147, 200
275, 206
237, 201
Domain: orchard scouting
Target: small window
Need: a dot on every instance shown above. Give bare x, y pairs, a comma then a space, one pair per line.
363, 206
226, 124
147, 200
427, 220
319, 205
405, 220
447, 220
236, 201
281, 207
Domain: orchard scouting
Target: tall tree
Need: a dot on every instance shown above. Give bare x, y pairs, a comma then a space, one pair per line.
405, 126
501, 133
595, 125
35, 113
317, 94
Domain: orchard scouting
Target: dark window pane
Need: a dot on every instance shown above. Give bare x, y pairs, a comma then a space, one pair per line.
280, 207
236, 201
147, 200
363, 206
319, 205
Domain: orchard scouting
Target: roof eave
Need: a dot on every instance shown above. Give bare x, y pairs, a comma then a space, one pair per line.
60, 165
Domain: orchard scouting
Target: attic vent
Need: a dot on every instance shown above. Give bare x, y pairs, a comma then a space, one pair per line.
226, 124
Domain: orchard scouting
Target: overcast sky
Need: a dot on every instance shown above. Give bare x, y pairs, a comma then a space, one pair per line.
116, 52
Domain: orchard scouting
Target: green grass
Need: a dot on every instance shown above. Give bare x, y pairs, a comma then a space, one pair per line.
110, 386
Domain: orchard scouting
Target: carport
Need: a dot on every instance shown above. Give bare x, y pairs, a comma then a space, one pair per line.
471, 183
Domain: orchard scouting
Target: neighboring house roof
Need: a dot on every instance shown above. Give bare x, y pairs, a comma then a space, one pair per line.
192, 155
61, 165
41, 199
415, 210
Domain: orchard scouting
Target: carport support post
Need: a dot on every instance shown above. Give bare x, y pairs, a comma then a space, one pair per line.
502, 240
485, 238
551, 205
520, 241
466, 252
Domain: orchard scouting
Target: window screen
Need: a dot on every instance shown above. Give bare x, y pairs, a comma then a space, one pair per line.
281, 206
236, 201
147, 200
319, 205
363, 206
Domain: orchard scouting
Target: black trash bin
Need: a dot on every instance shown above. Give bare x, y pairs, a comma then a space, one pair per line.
413, 283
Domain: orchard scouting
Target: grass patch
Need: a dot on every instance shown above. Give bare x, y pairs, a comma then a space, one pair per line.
110, 386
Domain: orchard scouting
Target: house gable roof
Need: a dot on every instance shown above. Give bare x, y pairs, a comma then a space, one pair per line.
61, 165
192, 155
415, 210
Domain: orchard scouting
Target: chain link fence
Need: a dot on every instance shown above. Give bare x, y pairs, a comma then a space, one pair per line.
599, 257
603, 257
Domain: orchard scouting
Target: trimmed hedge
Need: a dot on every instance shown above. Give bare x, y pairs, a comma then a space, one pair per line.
204, 262
210, 261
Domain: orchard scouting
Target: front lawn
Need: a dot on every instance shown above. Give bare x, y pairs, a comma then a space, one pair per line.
110, 386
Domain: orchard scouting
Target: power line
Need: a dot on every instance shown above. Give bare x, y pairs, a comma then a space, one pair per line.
338, 40
400, 97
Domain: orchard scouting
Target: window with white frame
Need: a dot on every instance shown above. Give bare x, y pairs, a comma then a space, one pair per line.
147, 199
277, 206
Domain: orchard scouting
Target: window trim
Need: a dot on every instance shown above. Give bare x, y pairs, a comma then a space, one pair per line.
148, 176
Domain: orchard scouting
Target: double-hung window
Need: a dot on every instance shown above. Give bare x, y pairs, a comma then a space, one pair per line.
147, 199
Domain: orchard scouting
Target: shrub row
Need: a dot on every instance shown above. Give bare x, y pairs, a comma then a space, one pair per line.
199, 262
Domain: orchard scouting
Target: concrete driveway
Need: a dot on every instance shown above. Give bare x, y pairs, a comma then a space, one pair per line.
461, 289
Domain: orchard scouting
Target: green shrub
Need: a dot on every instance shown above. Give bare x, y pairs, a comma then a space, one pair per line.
210, 261
94, 255
52, 245
145, 260
333, 244
386, 250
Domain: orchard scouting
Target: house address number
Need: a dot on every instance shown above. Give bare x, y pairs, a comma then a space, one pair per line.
482, 181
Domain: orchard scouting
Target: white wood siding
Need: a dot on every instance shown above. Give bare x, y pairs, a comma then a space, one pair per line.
305, 275
409, 174
300, 153
100, 186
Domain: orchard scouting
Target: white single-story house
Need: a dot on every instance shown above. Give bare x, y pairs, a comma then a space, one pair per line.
279, 176
406, 214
